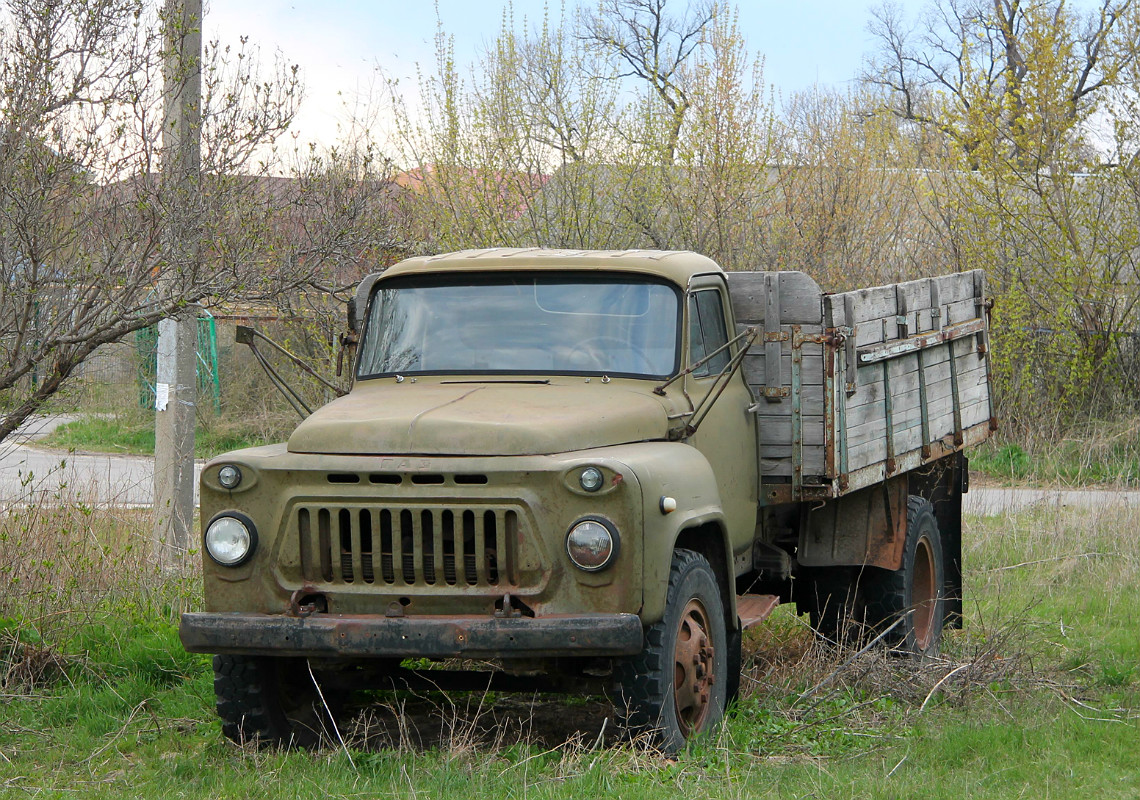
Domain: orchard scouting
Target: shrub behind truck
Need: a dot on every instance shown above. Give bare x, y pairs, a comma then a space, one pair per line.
595, 470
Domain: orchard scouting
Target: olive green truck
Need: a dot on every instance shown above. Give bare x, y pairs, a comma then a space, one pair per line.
595, 469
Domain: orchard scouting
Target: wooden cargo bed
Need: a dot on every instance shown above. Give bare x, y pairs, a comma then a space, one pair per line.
851, 388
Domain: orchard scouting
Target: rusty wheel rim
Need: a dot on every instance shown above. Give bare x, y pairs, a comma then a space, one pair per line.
924, 594
693, 675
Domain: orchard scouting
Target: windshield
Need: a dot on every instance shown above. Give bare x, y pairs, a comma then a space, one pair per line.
521, 324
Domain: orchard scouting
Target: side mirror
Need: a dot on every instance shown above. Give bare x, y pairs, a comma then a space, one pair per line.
355, 318
359, 302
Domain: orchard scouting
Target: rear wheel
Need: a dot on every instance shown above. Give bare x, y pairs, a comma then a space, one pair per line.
270, 702
676, 688
913, 595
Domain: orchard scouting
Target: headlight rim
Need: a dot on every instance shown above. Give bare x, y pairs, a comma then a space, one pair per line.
246, 522
615, 539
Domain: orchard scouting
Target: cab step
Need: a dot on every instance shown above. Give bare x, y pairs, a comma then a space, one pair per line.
755, 608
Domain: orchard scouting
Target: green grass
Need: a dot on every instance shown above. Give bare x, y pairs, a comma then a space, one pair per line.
1100, 453
1045, 701
133, 433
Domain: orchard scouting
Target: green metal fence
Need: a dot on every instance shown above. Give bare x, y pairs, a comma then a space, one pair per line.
209, 385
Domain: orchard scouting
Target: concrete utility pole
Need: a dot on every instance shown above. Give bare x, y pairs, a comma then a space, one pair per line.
177, 354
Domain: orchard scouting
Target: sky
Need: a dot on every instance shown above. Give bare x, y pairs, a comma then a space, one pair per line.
338, 44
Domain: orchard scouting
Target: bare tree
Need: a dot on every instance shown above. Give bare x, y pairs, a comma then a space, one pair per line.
1025, 73
82, 200
652, 44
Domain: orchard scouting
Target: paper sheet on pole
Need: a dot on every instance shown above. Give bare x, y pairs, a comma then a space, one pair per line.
161, 396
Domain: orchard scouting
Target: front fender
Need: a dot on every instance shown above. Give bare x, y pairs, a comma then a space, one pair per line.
681, 472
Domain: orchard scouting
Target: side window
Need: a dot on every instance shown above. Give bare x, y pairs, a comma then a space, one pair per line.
707, 332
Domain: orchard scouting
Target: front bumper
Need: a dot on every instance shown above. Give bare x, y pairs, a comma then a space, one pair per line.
368, 635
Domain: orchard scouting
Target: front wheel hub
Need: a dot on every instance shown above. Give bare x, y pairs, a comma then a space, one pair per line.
693, 668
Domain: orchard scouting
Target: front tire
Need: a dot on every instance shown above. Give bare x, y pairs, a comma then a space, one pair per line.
676, 688
270, 702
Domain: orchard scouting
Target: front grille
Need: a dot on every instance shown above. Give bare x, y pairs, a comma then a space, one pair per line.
407, 546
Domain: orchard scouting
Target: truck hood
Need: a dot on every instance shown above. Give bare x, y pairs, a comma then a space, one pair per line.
481, 418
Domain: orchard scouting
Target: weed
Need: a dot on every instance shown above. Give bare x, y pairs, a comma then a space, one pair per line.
75, 576
1008, 461
1093, 452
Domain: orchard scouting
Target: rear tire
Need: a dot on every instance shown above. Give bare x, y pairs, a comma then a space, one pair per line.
915, 592
676, 688
270, 702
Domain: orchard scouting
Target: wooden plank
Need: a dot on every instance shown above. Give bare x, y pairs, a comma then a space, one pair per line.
952, 288
916, 324
799, 297
942, 421
882, 302
940, 415
904, 392
939, 411
933, 338
869, 476
777, 461
867, 333
777, 431
975, 414
811, 404
874, 450
904, 372
786, 344
954, 292
966, 365
915, 294
754, 372
886, 314
771, 327
833, 316
909, 439
874, 303
961, 311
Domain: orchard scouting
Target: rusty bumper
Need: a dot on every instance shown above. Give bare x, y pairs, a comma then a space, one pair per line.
344, 635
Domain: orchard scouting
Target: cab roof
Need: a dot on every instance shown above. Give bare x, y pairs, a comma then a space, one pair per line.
673, 265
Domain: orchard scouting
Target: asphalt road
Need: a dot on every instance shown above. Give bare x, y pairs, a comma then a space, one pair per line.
29, 474
997, 501
32, 474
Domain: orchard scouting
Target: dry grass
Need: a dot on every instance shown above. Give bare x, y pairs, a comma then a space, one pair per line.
1047, 611
1051, 546
64, 563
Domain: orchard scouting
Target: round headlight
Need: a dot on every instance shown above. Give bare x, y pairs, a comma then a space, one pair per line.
230, 539
229, 476
591, 479
592, 544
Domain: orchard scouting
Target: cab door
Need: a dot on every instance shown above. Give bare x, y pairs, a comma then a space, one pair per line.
727, 434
